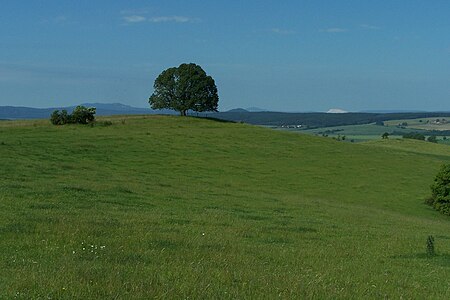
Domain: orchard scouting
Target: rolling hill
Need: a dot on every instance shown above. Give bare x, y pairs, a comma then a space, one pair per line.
171, 207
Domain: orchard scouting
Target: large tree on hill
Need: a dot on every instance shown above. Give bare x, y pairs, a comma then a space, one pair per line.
184, 88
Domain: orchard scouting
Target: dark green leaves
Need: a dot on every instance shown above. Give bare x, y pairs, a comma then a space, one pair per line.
187, 87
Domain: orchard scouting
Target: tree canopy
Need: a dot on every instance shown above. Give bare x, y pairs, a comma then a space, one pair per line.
440, 191
184, 88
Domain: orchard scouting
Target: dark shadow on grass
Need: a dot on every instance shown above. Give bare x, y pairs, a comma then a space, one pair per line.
214, 119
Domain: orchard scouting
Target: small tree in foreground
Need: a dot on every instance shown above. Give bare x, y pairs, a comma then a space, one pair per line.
440, 191
184, 88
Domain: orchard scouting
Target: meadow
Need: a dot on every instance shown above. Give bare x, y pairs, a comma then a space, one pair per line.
172, 207
423, 123
370, 132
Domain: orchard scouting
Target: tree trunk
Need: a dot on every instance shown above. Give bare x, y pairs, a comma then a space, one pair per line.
183, 113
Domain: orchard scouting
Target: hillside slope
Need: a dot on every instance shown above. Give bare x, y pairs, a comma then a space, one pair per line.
173, 207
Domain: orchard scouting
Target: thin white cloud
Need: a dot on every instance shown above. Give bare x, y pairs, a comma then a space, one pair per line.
334, 30
282, 31
56, 20
175, 19
369, 27
138, 11
60, 19
134, 19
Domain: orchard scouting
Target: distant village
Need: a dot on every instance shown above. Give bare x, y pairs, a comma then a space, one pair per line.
291, 126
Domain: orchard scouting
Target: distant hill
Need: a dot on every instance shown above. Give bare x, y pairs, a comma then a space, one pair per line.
237, 110
256, 109
103, 109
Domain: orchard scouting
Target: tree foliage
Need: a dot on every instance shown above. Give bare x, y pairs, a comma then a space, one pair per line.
414, 136
59, 118
184, 88
83, 115
432, 139
80, 115
440, 191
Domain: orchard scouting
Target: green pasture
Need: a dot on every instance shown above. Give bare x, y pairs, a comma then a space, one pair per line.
423, 123
187, 208
357, 133
371, 132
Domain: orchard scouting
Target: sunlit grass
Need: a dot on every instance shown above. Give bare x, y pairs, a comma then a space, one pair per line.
171, 207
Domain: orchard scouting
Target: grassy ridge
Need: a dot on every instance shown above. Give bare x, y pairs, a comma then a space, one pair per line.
173, 207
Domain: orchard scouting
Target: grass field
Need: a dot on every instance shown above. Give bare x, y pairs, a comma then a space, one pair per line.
371, 132
358, 133
170, 207
423, 123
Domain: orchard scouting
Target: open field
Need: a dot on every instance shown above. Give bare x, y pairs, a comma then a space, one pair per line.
170, 207
369, 132
423, 123
357, 133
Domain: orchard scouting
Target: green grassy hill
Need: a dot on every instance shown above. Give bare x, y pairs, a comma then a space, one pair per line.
169, 207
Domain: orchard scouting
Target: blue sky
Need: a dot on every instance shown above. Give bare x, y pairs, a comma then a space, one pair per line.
278, 55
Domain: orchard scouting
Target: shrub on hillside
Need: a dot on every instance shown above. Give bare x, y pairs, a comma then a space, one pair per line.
80, 115
432, 139
60, 118
440, 191
414, 136
83, 115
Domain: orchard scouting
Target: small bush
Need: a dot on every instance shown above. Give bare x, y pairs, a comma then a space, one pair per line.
414, 136
83, 115
80, 115
60, 118
432, 139
440, 191
430, 246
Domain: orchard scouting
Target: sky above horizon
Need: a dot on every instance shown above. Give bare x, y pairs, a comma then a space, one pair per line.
278, 55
